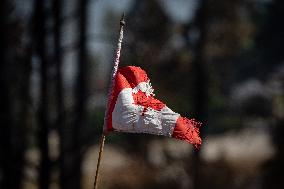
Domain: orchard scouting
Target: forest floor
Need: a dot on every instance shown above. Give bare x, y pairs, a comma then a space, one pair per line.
238, 156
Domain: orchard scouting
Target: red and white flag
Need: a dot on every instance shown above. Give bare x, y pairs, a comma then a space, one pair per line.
132, 108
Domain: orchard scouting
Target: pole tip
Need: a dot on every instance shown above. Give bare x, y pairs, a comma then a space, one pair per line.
122, 20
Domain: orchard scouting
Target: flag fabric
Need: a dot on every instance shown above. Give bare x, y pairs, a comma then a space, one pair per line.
133, 108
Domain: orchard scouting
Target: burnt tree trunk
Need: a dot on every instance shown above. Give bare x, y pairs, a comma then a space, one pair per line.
60, 106
74, 146
5, 112
43, 121
14, 97
80, 91
200, 105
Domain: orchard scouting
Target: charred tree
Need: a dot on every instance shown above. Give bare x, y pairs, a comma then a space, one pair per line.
57, 11
14, 97
60, 123
80, 91
43, 121
5, 112
75, 144
200, 83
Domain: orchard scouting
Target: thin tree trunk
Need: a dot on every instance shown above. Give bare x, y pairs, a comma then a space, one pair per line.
81, 88
5, 112
61, 118
81, 97
57, 6
23, 122
44, 168
200, 105
14, 96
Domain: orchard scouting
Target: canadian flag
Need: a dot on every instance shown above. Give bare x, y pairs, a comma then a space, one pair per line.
132, 108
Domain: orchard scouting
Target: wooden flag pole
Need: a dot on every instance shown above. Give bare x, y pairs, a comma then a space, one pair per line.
99, 160
114, 71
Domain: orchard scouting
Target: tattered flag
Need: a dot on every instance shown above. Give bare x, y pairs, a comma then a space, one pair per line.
133, 108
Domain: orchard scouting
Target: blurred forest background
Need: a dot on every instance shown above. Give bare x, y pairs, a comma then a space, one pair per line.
219, 61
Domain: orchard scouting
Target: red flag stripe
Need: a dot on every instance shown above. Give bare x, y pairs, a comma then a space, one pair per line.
188, 130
